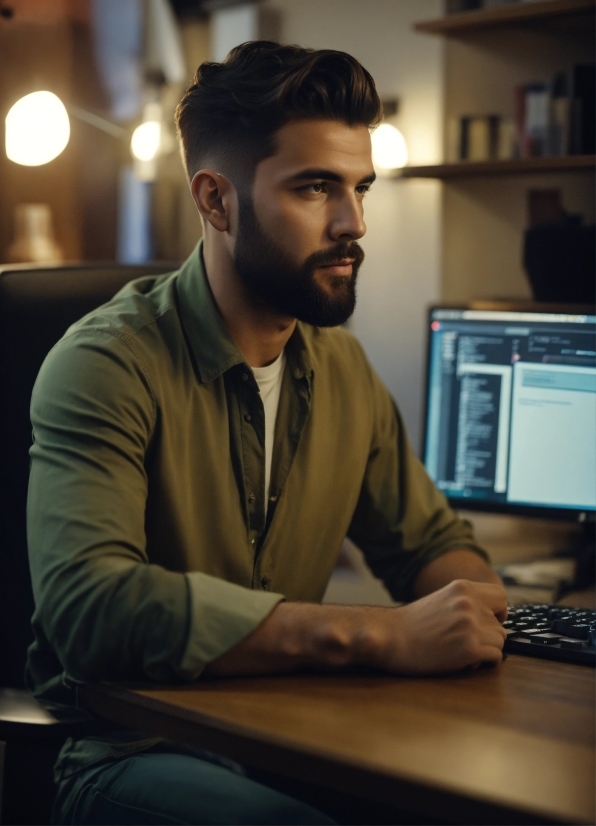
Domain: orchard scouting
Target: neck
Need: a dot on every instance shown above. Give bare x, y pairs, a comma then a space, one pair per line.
259, 333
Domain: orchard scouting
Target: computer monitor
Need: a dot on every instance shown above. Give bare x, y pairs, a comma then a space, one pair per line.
511, 409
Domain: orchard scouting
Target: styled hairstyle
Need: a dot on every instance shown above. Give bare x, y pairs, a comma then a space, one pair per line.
232, 110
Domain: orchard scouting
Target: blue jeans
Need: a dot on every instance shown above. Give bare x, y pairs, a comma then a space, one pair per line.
154, 787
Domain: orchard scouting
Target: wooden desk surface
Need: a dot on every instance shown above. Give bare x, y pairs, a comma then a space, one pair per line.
513, 744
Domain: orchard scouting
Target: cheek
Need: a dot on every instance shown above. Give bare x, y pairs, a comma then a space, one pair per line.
298, 224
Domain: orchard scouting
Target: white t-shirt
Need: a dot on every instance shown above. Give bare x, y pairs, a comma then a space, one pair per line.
269, 379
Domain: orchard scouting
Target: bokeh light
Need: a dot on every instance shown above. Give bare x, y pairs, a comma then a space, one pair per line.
146, 140
389, 148
37, 129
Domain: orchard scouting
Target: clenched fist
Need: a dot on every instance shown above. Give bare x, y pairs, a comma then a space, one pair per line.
454, 627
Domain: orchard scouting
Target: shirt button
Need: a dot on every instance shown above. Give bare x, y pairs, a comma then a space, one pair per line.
265, 582
247, 417
245, 377
251, 498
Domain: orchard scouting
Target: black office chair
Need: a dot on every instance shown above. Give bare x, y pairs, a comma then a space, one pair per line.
37, 305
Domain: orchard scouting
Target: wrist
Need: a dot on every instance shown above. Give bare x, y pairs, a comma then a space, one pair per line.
372, 640
341, 636
314, 635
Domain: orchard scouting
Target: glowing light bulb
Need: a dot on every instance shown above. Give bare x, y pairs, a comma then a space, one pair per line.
37, 129
146, 140
389, 148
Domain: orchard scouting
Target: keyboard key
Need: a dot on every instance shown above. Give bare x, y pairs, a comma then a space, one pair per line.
573, 645
511, 632
530, 632
578, 632
561, 626
547, 638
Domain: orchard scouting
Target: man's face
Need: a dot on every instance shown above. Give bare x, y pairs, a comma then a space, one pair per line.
296, 250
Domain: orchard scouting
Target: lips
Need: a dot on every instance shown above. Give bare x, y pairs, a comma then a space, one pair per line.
345, 262
342, 260
341, 267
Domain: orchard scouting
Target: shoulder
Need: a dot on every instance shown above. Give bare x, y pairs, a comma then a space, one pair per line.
138, 305
118, 336
110, 352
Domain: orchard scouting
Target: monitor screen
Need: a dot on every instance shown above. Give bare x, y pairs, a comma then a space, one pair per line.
511, 409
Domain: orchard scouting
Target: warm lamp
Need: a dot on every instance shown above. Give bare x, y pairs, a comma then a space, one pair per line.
146, 140
389, 148
37, 129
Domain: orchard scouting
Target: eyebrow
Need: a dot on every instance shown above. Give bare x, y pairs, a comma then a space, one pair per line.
327, 175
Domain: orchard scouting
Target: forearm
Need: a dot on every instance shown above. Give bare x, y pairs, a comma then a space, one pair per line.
449, 629
459, 563
299, 635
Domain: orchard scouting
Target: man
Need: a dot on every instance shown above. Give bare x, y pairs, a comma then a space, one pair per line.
205, 441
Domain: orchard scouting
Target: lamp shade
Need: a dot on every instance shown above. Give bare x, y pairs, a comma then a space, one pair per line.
37, 129
146, 140
389, 148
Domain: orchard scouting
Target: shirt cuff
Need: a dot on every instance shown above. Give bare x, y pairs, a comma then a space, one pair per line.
221, 615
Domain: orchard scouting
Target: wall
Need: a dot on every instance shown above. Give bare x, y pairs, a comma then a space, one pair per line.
401, 274
176, 222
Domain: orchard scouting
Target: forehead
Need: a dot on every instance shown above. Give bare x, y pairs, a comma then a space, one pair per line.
319, 144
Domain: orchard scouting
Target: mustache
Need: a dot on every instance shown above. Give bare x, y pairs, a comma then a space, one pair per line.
340, 252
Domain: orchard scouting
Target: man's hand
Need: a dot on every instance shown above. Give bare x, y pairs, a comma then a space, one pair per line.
449, 629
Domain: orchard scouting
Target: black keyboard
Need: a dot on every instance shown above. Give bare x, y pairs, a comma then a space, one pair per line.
552, 632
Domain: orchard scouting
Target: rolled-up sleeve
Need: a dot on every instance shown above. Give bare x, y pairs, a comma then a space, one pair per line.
105, 610
402, 521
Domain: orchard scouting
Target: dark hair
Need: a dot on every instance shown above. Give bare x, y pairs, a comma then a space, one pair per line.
232, 110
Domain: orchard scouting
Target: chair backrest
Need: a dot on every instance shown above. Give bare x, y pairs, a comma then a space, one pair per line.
37, 305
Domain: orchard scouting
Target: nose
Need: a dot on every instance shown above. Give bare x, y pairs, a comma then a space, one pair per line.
347, 220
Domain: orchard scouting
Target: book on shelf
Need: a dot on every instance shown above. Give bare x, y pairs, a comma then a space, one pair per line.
557, 118
554, 118
560, 116
582, 109
532, 119
479, 138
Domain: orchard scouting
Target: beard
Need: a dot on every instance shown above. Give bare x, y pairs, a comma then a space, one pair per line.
272, 279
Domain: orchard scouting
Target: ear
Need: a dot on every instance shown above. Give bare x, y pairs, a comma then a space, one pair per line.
211, 194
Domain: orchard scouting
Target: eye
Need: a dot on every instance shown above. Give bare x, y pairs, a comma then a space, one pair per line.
314, 189
363, 189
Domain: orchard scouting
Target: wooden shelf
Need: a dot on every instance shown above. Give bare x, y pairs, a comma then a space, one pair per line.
517, 166
514, 14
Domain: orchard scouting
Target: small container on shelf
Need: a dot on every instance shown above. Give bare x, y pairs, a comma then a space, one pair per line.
34, 236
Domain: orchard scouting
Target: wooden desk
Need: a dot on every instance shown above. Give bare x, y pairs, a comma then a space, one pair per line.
514, 744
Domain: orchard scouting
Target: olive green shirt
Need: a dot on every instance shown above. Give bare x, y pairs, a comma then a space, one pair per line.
149, 547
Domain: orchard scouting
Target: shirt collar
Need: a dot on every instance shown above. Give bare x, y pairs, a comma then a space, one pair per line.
210, 342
